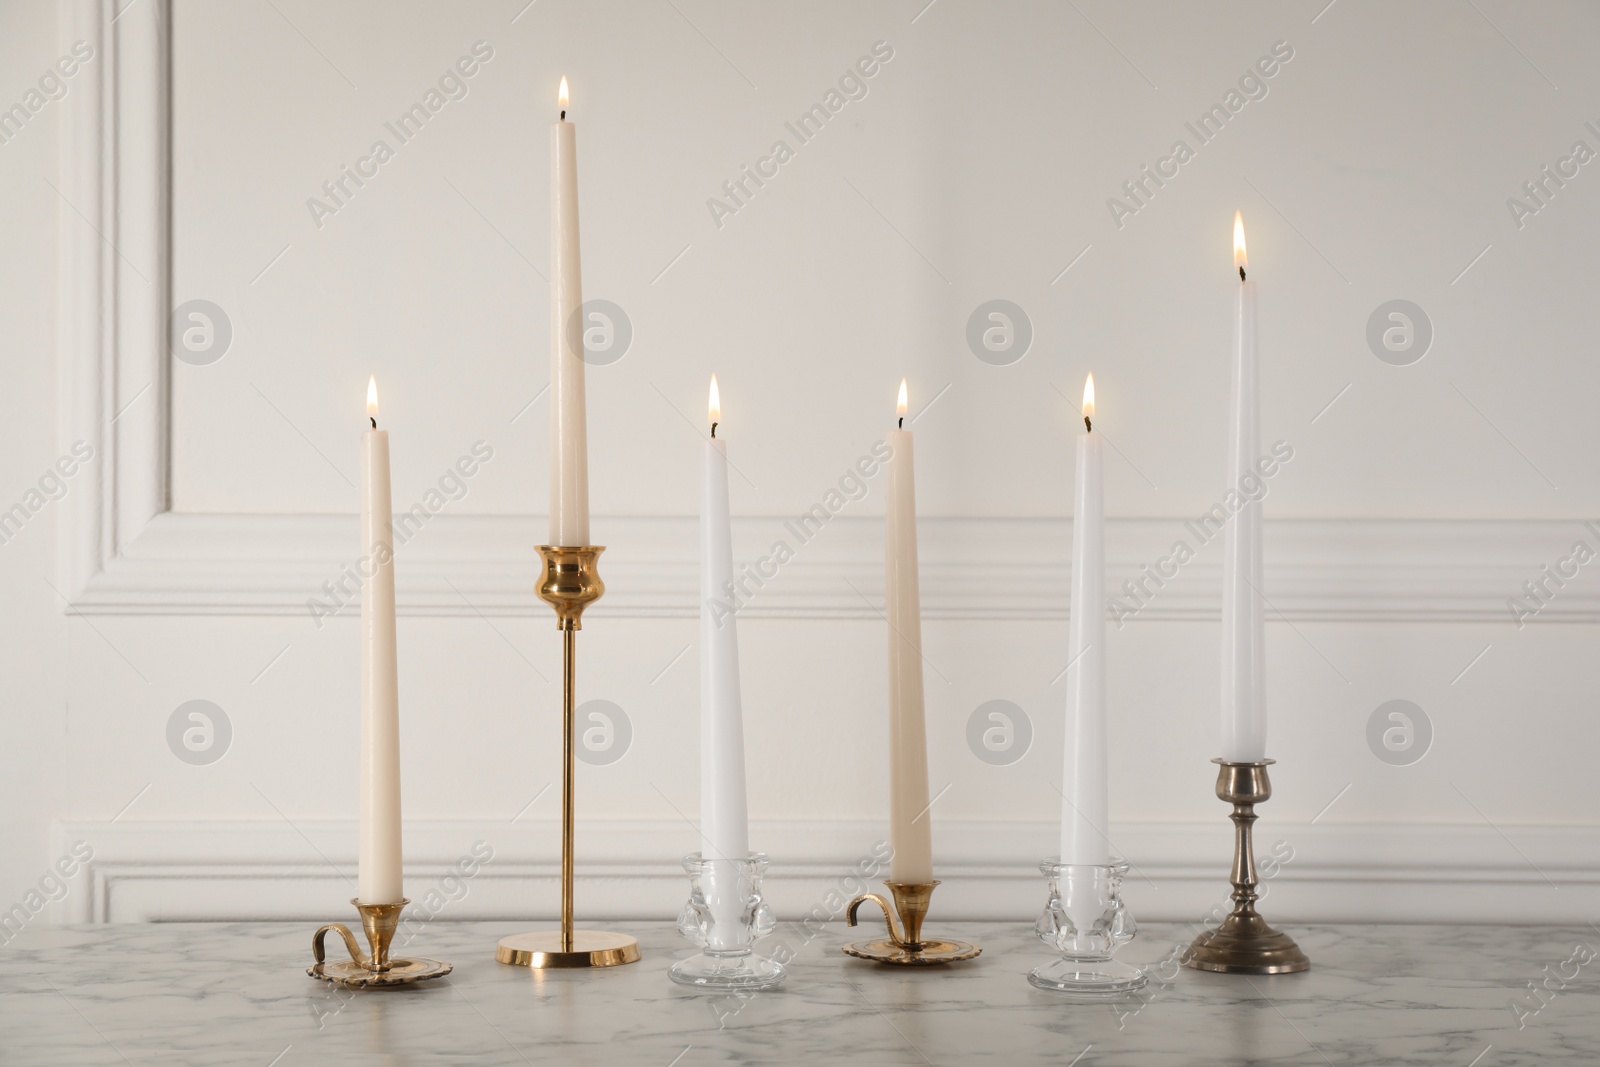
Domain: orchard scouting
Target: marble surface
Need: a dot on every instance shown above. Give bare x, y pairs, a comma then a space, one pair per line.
236, 993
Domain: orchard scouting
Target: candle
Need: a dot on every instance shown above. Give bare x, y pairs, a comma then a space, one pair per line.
1244, 712
909, 821
379, 879
1084, 781
569, 442
724, 820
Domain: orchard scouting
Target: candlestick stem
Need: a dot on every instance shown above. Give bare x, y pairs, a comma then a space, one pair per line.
1243, 943
569, 637
570, 583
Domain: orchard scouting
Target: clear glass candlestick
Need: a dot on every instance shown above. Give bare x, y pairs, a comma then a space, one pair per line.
1086, 921
725, 917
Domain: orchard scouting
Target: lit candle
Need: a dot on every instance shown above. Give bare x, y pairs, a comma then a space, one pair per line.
569, 442
1244, 712
379, 879
909, 820
724, 820
1084, 782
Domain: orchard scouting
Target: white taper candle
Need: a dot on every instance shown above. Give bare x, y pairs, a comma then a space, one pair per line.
1084, 787
724, 816
1244, 710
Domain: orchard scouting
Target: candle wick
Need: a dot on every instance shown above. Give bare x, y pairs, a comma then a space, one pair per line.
374, 420
713, 430
563, 116
1241, 273
902, 422
1087, 425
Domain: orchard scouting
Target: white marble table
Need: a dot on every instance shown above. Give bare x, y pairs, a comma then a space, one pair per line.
236, 993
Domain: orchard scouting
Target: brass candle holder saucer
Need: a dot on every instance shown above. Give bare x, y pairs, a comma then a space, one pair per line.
379, 970
910, 949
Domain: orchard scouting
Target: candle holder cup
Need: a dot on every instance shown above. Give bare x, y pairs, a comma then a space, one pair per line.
569, 582
725, 916
1086, 921
908, 948
377, 970
1243, 943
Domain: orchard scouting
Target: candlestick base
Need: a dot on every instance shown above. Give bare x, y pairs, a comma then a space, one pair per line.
911, 949
725, 917
377, 971
1243, 943
1086, 921
543, 950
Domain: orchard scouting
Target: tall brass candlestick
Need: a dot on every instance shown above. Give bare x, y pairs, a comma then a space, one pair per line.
570, 583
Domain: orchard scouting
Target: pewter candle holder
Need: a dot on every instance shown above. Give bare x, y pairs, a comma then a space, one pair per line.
1086, 921
725, 917
1243, 943
377, 970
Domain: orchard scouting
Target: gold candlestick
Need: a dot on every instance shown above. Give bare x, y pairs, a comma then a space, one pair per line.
571, 582
908, 949
1244, 943
378, 970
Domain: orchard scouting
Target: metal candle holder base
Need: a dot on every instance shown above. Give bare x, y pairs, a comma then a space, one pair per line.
570, 582
911, 949
377, 971
1244, 943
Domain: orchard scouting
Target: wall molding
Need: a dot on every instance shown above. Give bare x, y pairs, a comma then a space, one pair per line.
1317, 570
123, 551
195, 871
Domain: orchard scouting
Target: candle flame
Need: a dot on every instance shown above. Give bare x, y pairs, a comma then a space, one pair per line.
900, 404
714, 403
1240, 260
1088, 397
372, 397
561, 98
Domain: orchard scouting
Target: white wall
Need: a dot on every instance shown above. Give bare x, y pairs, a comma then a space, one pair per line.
978, 166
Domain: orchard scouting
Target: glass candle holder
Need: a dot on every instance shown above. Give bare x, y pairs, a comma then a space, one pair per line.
1086, 921
725, 917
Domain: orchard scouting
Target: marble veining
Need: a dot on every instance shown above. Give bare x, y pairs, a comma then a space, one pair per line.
236, 993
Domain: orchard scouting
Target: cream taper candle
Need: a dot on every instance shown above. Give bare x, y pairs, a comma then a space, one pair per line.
569, 443
1244, 710
379, 880
910, 833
